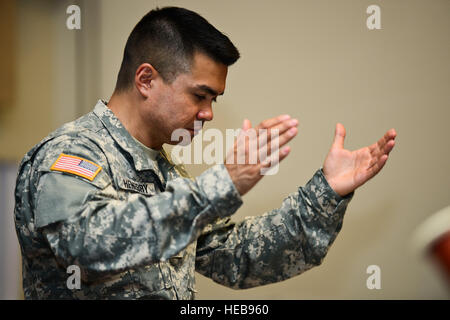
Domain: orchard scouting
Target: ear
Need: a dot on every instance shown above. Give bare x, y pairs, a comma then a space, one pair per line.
143, 78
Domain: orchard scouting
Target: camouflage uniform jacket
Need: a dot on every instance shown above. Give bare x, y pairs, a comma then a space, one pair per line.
141, 228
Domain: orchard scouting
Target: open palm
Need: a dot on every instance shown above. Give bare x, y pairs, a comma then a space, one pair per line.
346, 170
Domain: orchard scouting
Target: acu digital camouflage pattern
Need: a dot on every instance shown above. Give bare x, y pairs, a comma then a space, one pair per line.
146, 238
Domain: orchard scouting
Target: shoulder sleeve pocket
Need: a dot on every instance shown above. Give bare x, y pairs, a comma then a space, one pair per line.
68, 172
61, 196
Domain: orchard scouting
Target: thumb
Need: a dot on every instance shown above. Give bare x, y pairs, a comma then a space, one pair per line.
339, 136
246, 125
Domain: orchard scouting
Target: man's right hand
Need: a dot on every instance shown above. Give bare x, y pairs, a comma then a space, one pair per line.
246, 173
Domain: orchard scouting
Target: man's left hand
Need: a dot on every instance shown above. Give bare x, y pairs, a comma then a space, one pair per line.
346, 170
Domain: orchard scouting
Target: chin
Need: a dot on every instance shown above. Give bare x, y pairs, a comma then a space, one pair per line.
181, 136
183, 141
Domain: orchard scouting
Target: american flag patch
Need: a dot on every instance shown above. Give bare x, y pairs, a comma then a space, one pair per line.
76, 165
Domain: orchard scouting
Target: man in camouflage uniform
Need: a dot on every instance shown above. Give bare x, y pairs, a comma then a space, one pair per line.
100, 193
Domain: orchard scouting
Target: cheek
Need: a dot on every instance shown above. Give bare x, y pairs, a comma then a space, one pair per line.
185, 108
176, 110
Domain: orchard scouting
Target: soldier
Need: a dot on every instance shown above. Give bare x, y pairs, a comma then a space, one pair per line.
100, 193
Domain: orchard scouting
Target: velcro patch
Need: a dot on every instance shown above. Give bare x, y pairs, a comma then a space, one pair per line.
76, 165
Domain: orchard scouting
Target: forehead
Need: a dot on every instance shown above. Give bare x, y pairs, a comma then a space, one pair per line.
205, 72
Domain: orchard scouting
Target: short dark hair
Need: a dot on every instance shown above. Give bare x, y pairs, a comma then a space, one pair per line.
167, 38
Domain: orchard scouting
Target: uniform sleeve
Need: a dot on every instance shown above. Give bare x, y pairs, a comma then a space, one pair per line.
277, 245
86, 224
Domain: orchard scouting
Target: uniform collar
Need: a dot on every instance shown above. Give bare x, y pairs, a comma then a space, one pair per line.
116, 129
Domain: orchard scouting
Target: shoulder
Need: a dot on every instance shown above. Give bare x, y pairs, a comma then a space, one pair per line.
86, 126
62, 169
77, 141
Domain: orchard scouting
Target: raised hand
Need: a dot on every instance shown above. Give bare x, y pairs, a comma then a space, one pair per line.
244, 172
346, 170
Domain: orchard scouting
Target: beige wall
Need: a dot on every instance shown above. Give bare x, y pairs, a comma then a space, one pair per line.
56, 70
31, 115
318, 62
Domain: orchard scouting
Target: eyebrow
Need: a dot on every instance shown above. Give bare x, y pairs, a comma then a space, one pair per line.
208, 89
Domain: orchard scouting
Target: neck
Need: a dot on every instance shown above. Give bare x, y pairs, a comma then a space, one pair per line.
127, 108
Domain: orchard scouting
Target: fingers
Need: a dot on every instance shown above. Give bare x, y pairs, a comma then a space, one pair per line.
266, 148
284, 125
384, 145
264, 143
275, 139
339, 136
377, 166
276, 127
380, 151
276, 157
284, 131
388, 147
391, 134
246, 125
269, 123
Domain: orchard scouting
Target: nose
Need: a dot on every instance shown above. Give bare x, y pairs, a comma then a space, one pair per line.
205, 114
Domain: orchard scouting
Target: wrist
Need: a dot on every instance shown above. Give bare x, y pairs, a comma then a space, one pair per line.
335, 186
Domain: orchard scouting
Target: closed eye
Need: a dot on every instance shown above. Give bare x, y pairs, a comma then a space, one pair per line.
202, 97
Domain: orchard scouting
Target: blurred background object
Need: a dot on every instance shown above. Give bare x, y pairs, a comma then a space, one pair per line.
8, 52
432, 239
